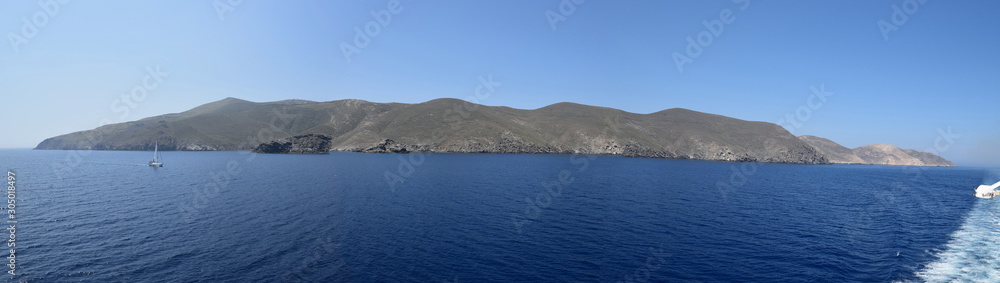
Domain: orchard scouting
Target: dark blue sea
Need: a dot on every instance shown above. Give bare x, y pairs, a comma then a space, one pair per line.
102, 216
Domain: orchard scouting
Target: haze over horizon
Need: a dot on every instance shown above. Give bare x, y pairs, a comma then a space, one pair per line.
934, 69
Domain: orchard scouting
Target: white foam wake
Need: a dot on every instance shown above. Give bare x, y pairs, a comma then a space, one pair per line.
973, 253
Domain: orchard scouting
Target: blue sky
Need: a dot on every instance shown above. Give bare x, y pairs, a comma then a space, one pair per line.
937, 70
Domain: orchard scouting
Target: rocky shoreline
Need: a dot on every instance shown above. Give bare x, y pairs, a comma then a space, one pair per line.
456, 126
302, 144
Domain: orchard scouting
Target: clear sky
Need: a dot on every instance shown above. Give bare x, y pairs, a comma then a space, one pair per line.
934, 65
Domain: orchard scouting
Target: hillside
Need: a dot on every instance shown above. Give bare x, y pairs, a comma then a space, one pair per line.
450, 125
834, 152
881, 154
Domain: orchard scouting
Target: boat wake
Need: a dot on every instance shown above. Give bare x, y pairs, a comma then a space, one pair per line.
973, 253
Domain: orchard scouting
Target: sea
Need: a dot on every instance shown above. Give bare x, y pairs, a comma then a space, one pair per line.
103, 216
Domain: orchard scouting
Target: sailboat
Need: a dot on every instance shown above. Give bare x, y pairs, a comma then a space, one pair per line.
987, 191
155, 162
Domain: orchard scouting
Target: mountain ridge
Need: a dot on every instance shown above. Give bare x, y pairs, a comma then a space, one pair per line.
875, 154
452, 125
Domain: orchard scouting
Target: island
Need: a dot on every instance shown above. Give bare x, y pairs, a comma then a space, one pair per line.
457, 126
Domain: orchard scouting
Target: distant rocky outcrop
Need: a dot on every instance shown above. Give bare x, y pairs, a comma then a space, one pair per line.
386, 146
311, 143
929, 159
834, 152
878, 154
451, 125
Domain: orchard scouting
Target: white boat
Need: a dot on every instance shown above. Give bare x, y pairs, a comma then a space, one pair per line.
985, 191
156, 162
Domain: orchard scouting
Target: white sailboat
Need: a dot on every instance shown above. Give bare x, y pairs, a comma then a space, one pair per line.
985, 191
156, 162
